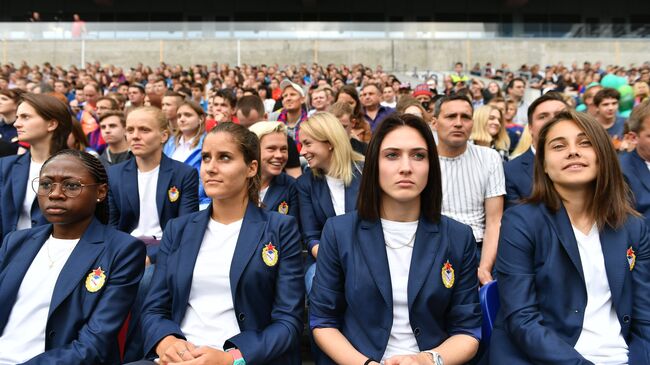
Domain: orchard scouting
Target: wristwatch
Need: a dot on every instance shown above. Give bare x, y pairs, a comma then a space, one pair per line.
436, 359
237, 358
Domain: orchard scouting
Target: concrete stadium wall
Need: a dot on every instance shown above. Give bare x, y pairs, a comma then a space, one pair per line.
395, 55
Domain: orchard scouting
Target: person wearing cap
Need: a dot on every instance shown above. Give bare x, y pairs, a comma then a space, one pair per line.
292, 113
423, 94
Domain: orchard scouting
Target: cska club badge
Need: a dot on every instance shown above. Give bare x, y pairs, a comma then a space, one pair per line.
631, 258
270, 255
283, 208
173, 194
95, 280
448, 276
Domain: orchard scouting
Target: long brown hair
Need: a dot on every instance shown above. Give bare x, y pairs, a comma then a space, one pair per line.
50, 108
610, 203
249, 146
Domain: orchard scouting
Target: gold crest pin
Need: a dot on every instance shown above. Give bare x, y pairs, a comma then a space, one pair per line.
631, 257
173, 194
283, 208
270, 255
448, 276
95, 280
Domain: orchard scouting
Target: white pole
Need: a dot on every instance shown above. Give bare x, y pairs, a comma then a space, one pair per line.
238, 52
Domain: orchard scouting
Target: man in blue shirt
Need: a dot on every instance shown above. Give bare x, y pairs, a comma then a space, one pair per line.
373, 111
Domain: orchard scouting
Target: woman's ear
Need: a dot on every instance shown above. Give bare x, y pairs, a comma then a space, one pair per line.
102, 192
252, 168
52, 125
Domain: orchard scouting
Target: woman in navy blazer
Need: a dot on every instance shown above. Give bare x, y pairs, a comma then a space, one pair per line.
176, 190
573, 262
278, 190
44, 122
93, 272
264, 281
379, 295
326, 147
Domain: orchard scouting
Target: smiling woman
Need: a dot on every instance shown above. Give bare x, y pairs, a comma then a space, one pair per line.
593, 248
67, 286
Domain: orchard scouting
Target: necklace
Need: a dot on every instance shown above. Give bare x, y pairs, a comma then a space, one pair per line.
49, 256
397, 247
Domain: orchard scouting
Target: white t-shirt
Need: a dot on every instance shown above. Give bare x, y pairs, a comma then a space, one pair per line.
263, 193
337, 192
210, 318
469, 179
183, 149
600, 341
24, 335
25, 217
399, 238
148, 222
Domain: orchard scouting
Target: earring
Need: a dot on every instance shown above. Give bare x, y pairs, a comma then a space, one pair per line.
98, 200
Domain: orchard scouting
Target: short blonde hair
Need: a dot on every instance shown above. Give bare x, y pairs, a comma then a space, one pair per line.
261, 129
480, 134
157, 115
325, 127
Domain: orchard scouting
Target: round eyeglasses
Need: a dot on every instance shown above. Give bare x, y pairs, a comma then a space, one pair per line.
70, 187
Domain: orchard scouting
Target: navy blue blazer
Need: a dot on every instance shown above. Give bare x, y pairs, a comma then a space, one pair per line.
542, 289
352, 288
282, 196
82, 327
268, 301
124, 201
637, 175
519, 178
14, 173
316, 203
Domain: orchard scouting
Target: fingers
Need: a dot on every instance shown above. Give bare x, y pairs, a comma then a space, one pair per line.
178, 352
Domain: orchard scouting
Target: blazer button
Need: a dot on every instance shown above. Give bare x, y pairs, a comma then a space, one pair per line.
626, 319
576, 311
241, 317
34, 223
51, 334
416, 331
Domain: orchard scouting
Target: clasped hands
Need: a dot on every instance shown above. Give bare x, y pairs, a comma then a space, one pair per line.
175, 351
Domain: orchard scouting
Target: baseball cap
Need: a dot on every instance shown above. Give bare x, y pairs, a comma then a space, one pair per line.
287, 83
422, 89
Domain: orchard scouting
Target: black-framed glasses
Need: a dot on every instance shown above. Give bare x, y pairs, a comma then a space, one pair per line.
71, 187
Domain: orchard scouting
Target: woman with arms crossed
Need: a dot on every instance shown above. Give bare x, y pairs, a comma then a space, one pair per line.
399, 285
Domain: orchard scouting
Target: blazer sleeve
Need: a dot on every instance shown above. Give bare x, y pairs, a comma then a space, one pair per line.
641, 307
156, 320
259, 347
518, 298
113, 210
512, 193
311, 229
464, 316
294, 202
327, 298
96, 337
190, 198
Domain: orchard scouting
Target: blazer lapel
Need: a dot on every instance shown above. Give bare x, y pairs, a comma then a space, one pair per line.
614, 245
79, 264
272, 195
15, 270
322, 192
20, 174
641, 169
562, 226
426, 249
188, 251
130, 188
351, 193
165, 174
247, 243
371, 241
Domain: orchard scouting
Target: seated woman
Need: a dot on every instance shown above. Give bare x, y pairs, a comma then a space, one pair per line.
489, 130
573, 261
228, 286
278, 191
67, 286
396, 281
186, 142
329, 188
45, 123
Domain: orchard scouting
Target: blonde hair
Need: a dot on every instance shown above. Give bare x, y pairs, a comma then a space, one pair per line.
157, 115
261, 129
480, 134
525, 141
325, 127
